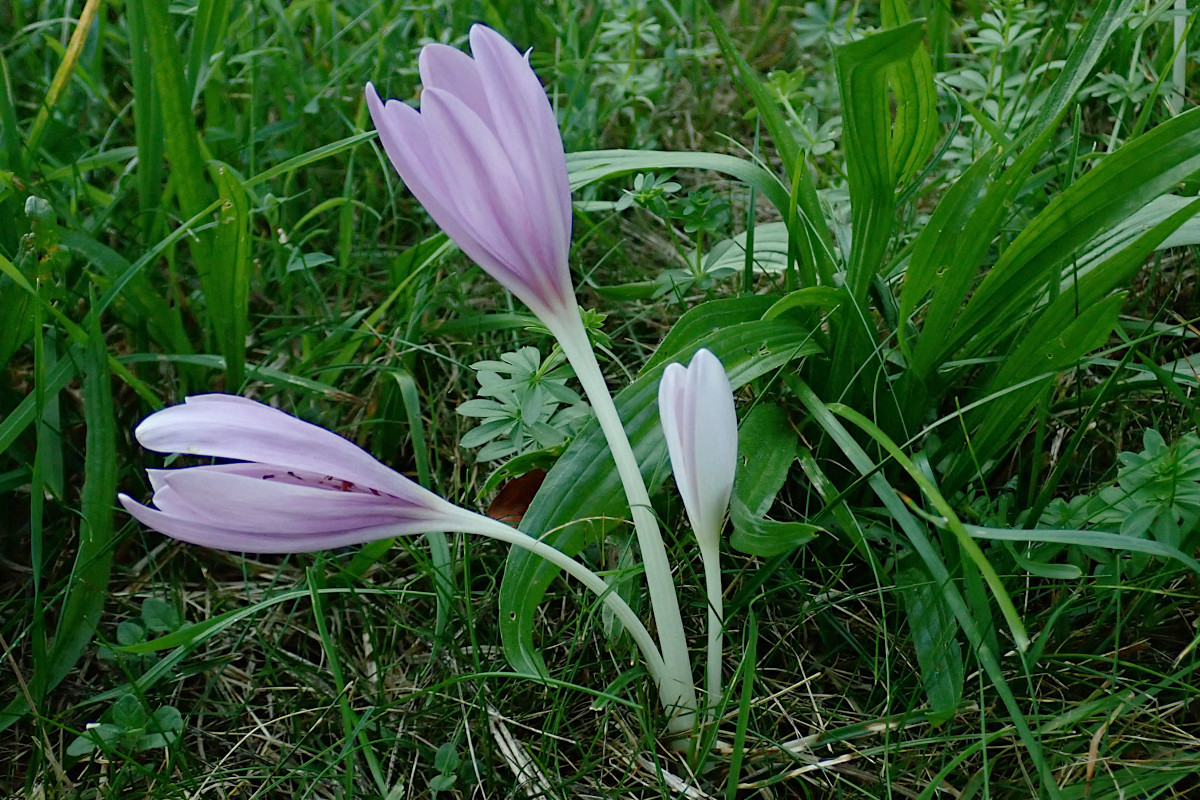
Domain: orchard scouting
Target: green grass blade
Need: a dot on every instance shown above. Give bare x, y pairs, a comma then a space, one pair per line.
188, 174
1117, 187
936, 567
148, 124
748, 671
1077, 538
208, 31
10, 134
62, 77
1104, 19
87, 588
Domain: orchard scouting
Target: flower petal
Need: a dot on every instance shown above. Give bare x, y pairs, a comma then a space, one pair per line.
219, 497
525, 125
240, 541
700, 425
454, 72
485, 191
715, 433
402, 132
226, 426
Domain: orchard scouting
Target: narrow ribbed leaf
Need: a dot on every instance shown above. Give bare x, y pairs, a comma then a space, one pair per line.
915, 128
227, 284
208, 31
87, 587
1116, 188
935, 640
10, 134
863, 67
147, 120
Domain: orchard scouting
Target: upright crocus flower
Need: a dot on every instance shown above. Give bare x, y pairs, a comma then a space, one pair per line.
695, 404
485, 158
295, 487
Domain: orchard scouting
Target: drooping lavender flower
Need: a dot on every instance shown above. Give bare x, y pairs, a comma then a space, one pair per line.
294, 487
695, 404
485, 158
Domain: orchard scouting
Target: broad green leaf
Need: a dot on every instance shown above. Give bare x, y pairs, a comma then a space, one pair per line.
591, 166
934, 263
769, 251
935, 639
767, 449
582, 493
1113, 257
956, 249
1061, 336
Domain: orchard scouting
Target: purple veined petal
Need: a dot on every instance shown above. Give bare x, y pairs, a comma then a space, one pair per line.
402, 133
451, 70
225, 426
492, 196
524, 123
262, 506
406, 139
480, 182
239, 541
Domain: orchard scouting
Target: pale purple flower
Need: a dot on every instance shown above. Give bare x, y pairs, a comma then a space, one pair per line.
294, 487
695, 404
485, 158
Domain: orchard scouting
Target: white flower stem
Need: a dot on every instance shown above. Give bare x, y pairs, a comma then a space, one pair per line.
677, 690
710, 556
470, 522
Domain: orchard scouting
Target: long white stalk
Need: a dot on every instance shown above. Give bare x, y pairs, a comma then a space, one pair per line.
471, 522
711, 559
677, 689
